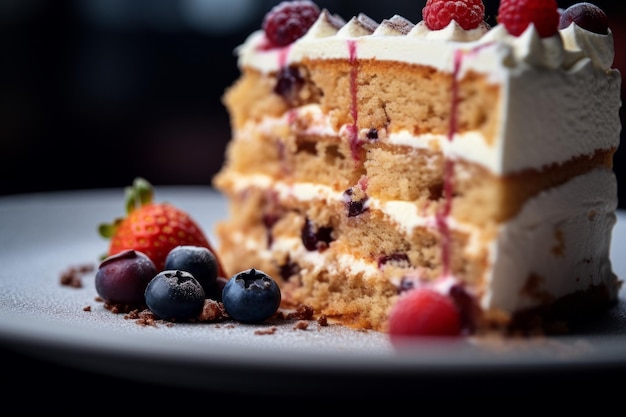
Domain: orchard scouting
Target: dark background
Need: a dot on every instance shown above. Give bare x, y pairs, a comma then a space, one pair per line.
96, 92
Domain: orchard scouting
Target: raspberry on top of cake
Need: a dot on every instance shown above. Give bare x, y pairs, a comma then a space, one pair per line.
383, 170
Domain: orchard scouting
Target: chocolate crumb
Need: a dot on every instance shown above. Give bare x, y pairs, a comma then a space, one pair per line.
73, 276
137, 314
87, 308
322, 320
120, 308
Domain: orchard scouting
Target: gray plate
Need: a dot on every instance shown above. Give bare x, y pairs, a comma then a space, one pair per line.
41, 235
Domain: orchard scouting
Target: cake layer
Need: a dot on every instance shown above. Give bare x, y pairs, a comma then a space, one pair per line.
555, 247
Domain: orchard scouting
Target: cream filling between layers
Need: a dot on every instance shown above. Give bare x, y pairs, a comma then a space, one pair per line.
504, 156
405, 215
562, 237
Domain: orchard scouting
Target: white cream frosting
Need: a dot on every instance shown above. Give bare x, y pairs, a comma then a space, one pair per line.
562, 237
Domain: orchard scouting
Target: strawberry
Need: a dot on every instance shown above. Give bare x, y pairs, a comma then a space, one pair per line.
153, 228
424, 312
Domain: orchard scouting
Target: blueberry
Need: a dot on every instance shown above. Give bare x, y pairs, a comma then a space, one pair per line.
199, 261
251, 296
122, 278
175, 295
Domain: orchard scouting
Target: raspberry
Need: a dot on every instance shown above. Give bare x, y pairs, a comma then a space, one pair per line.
424, 312
516, 15
468, 14
289, 20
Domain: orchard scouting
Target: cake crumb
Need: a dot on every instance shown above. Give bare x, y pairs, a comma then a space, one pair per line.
87, 308
212, 311
302, 312
301, 325
269, 330
147, 318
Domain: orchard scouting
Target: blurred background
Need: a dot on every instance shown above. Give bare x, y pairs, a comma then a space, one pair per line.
96, 92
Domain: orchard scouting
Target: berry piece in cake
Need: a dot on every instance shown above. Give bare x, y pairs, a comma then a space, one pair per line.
288, 269
289, 21
122, 278
199, 261
586, 15
289, 84
469, 14
356, 203
251, 296
517, 15
356, 199
175, 295
401, 259
424, 312
152, 228
315, 238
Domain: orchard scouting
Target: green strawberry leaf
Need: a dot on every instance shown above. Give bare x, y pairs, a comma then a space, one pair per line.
140, 193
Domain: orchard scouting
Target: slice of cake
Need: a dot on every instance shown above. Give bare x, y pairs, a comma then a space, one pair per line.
373, 160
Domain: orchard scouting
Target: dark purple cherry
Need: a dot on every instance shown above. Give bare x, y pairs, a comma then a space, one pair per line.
586, 15
122, 278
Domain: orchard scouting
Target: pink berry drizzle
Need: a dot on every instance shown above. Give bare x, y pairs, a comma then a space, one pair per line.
355, 143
